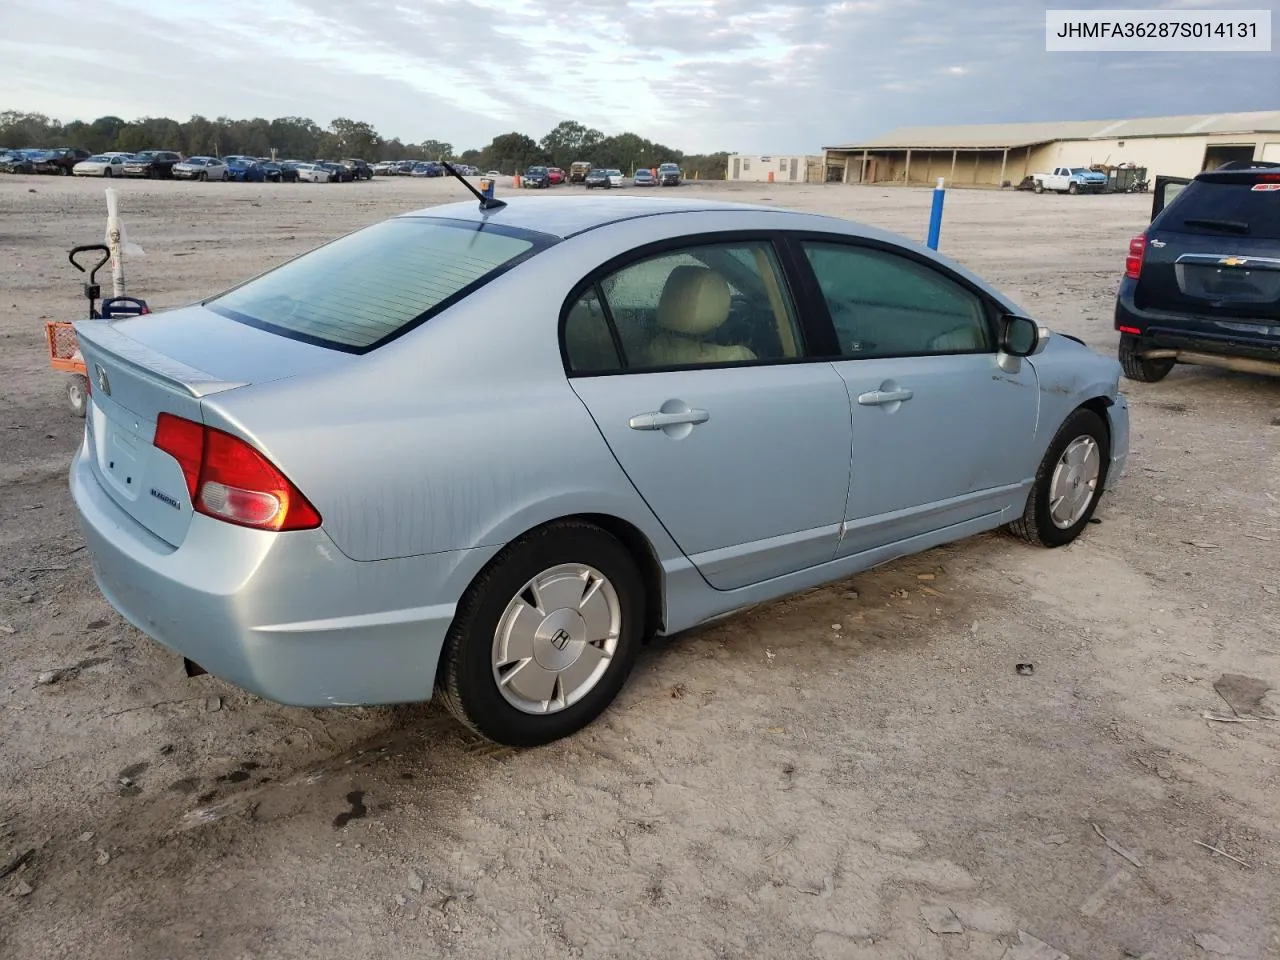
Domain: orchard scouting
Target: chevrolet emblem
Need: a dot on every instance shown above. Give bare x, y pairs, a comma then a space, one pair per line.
1233, 261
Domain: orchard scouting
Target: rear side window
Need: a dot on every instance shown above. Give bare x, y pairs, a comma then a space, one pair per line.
1224, 210
370, 286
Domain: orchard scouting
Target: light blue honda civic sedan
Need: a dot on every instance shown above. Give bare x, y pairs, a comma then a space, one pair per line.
487, 451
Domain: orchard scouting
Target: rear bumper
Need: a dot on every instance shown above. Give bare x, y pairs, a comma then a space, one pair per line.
1197, 334
285, 616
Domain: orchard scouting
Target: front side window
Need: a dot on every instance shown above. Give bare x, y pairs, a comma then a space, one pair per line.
700, 306
886, 305
362, 289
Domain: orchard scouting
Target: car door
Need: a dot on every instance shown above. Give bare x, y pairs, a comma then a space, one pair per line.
693, 366
1166, 188
941, 432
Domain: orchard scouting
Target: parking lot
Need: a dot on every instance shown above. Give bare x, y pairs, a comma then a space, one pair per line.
857, 772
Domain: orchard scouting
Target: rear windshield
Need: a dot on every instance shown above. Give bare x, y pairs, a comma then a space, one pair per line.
1224, 209
368, 287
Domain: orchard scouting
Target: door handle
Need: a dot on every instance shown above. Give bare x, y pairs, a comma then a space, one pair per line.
879, 397
658, 420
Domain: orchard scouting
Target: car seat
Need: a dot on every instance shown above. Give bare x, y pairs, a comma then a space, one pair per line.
695, 301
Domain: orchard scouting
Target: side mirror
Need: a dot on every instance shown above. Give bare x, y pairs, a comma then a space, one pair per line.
1022, 336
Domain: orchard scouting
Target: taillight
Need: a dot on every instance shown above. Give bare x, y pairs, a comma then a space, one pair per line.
1133, 262
230, 480
184, 441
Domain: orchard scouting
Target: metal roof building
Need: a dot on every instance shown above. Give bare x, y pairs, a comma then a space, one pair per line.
997, 153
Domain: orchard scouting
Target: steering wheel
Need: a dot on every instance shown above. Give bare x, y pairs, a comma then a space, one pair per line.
744, 328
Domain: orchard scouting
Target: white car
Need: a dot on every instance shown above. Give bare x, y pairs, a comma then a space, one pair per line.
100, 165
616, 179
200, 168
314, 173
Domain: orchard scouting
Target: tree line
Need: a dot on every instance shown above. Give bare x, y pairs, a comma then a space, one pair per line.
301, 138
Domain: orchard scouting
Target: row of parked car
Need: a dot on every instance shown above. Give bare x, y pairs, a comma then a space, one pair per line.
666, 175
169, 164
421, 168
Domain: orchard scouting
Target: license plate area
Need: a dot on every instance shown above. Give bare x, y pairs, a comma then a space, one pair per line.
145, 482
1223, 283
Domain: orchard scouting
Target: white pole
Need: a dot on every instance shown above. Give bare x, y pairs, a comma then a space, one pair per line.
114, 244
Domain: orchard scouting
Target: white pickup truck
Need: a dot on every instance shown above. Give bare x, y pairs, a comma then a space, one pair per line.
1070, 180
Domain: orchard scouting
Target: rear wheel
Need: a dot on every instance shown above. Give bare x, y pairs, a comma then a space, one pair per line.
1068, 483
1039, 187
1137, 367
78, 394
545, 637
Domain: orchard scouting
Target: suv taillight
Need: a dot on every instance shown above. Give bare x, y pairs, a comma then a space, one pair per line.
230, 480
1133, 262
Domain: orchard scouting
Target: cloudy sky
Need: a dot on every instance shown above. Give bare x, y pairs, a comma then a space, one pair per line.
739, 75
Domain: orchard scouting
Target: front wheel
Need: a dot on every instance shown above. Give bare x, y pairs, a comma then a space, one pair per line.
78, 394
545, 637
107, 172
1072, 188
204, 176
1137, 367
1068, 484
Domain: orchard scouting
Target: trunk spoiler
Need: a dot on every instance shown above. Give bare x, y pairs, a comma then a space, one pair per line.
151, 364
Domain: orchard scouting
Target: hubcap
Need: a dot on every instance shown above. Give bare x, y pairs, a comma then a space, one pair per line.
1074, 481
556, 638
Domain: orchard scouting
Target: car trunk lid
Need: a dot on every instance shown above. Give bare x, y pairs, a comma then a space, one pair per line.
1216, 249
168, 363
1198, 274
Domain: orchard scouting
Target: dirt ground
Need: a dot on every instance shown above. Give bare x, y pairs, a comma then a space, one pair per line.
835, 776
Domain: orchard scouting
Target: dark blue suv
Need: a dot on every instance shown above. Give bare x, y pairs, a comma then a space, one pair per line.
1202, 283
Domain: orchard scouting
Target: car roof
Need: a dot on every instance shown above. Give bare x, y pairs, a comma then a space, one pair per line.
565, 216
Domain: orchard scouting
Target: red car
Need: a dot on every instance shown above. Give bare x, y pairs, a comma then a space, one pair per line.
556, 175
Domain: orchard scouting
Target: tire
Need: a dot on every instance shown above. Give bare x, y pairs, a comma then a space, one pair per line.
107, 173
467, 681
1039, 187
1037, 524
204, 176
1136, 367
78, 394
1072, 189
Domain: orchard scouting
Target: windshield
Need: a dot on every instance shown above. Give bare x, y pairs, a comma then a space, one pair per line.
536, 171
1081, 170
99, 159
668, 166
1223, 209
370, 286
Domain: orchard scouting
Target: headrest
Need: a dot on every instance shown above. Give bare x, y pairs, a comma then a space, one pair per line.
694, 301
